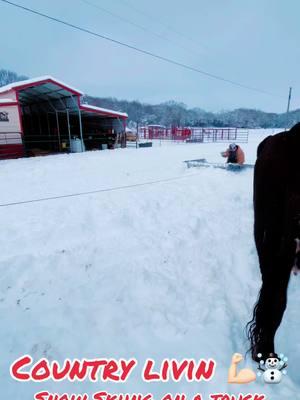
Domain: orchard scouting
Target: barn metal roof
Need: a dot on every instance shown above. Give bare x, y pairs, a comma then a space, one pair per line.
43, 92
38, 81
55, 95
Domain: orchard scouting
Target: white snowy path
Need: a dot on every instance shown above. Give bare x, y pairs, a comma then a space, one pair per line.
165, 270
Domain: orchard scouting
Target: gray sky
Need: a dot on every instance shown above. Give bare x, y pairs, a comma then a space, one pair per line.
255, 42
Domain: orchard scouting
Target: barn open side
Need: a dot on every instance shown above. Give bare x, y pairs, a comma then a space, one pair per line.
53, 119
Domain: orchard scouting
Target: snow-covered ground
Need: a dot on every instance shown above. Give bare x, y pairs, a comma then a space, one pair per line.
162, 270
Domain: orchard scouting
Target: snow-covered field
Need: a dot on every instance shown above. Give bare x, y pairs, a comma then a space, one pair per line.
162, 270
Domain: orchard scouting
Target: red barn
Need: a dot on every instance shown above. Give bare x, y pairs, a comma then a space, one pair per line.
44, 115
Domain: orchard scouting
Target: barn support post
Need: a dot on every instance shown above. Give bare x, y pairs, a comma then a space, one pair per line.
42, 114
58, 131
57, 122
122, 135
40, 125
124, 141
80, 128
76, 104
48, 125
30, 121
69, 128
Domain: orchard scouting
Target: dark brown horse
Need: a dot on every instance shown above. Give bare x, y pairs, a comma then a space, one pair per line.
276, 228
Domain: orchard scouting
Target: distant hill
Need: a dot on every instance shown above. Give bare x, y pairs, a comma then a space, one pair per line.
177, 114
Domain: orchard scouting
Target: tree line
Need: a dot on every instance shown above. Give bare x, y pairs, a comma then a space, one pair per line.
173, 113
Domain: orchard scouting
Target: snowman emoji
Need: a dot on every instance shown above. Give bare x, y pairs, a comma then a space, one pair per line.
273, 368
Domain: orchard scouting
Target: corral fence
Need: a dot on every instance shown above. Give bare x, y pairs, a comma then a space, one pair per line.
194, 135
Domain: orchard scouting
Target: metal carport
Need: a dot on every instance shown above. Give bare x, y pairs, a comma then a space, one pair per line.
52, 115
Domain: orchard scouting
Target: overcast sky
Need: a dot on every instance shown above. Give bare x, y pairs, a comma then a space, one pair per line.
254, 42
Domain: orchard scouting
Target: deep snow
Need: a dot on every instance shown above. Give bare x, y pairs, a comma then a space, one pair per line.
161, 270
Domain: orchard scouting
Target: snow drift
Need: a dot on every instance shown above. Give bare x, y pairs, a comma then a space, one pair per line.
161, 270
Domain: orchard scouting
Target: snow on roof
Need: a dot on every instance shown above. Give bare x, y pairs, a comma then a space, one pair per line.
42, 79
103, 110
16, 85
7, 101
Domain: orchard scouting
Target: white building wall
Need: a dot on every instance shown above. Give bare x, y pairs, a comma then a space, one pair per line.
11, 94
10, 127
9, 119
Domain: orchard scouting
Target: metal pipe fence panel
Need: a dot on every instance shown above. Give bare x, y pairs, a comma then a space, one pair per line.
194, 135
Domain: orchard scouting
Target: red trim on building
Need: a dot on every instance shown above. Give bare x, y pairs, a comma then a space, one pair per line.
17, 150
85, 107
20, 115
41, 82
9, 103
11, 151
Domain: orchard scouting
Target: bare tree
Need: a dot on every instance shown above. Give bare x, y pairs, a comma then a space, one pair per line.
7, 77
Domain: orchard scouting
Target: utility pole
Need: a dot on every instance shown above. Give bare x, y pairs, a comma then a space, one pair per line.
288, 107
